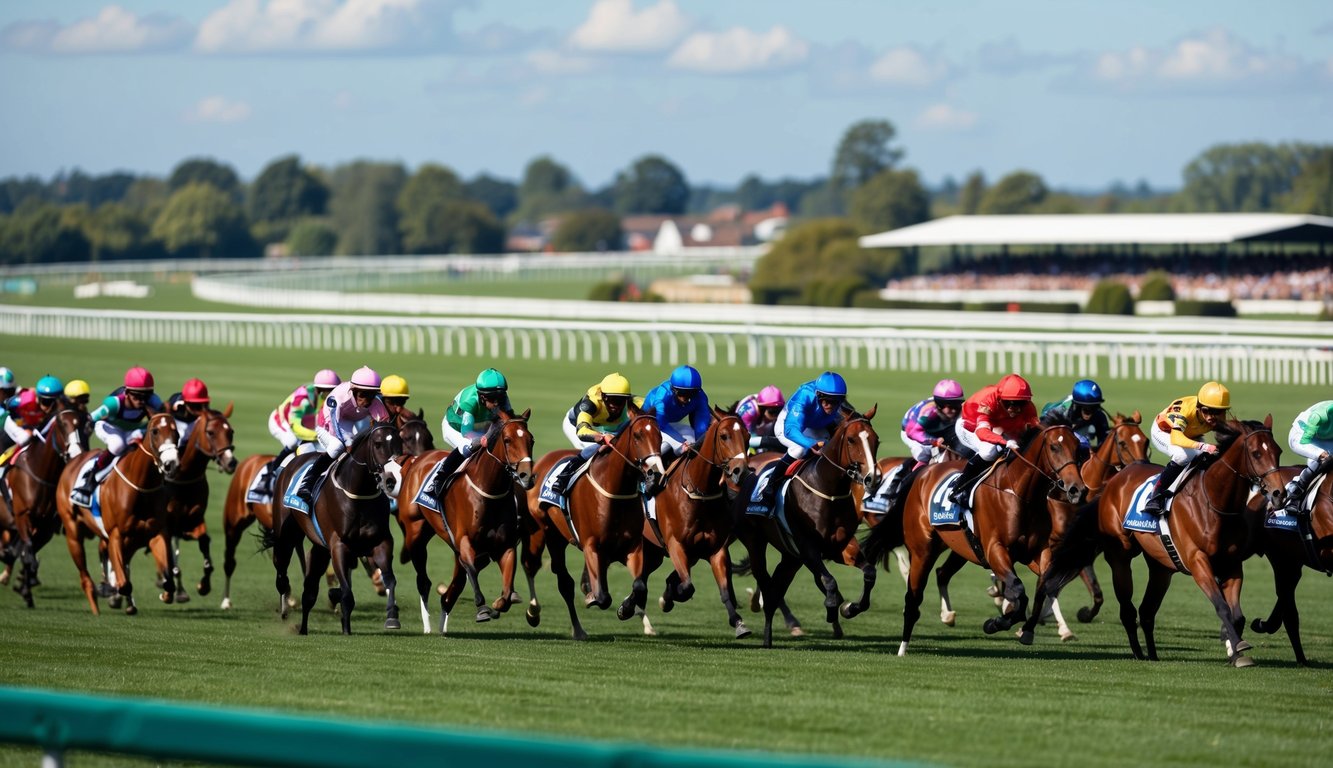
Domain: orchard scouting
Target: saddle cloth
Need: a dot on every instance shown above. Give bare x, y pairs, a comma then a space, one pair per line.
944, 512
877, 499
289, 497
1279, 520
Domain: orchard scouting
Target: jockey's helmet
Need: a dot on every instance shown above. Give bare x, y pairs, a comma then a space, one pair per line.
195, 391
49, 386
6, 378
770, 397
947, 392
365, 377
394, 386
1086, 392
685, 380
615, 385
831, 385
138, 379
1014, 387
77, 388
327, 379
491, 382
1215, 396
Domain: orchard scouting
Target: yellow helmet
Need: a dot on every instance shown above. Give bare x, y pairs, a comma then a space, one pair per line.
1214, 395
615, 384
77, 388
394, 386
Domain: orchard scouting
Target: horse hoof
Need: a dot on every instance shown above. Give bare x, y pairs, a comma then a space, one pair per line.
483, 615
625, 611
664, 605
848, 610
131, 609
203, 588
756, 603
515, 598
1024, 638
534, 617
226, 603
182, 597
742, 631
949, 618
1240, 662
1258, 626
1068, 637
992, 591
991, 626
1086, 615
1244, 646
589, 600
580, 635
392, 624
104, 590
167, 597
797, 632
4, 578
440, 589
837, 631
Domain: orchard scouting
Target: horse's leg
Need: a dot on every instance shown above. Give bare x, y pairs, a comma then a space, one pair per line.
1159, 580
680, 561
162, 548
851, 555
1231, 581
997, 554
450, 593
1087, 613
638, 596
1122, 583
205, 584
116, 557
314, 577
467, 556
595, 570
943, 576
282, 560
779, 583
758, 551
1202, 571
174, 558
508, 568
80, 556
556, 547
1286, 578
904, 562
923, 559
721, 565
416, 550
343, 564
383, 557
531, 557
231, 538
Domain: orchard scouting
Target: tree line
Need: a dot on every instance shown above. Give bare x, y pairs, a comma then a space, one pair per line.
203, 208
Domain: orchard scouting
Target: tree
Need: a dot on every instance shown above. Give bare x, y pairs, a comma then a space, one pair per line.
969, 197
863, 153
41, 232
651, 185
311, 237
1019, 192
1243, 177
497, 194
205, 170
472, 227
419, 205
595, 229
820, 250
890, 200
363, 206
1312, 190
285, 192
201, 220
547, 188
115, 230
93, 191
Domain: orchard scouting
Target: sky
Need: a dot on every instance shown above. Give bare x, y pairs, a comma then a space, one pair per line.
1082, 93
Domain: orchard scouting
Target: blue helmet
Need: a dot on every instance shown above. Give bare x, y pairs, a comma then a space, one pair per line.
50, 386
685, 378
1086, 392
830, 384
6, 378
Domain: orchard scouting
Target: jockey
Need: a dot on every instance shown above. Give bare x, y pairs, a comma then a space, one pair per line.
759, 413
77, 392
1082, 411
7, 385
806, 421
293, 421
594, 421
1176, 432
29, 411
117, 422
351, 408
928, 426
468, 418
394, 392
991, 421
1311, 436
680, 397
187, 406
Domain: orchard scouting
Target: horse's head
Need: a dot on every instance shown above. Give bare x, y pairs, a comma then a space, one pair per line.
416, 436
69, 432
1125, 443
160, 438
214, 438
1053, 452
1248, 449
852, 448
725, 444
510, 442
641, 442
378, 449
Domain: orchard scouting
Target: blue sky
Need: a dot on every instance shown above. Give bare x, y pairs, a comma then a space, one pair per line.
1082, 93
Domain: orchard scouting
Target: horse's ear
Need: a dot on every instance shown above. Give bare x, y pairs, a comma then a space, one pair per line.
226, 412
732, 409
1136, 417
421, 414
718, 412
526, 413
633, 409
870, 414
1268, 421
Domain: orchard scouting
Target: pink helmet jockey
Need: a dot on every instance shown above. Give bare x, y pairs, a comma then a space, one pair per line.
770, 396
948, 389
365, 377
327, 379
139, 379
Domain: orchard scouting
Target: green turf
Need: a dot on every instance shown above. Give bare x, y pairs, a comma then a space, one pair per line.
959, 697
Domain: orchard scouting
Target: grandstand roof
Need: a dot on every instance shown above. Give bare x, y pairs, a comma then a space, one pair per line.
1109, 229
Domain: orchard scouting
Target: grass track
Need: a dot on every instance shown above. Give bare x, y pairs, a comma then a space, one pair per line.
959, 698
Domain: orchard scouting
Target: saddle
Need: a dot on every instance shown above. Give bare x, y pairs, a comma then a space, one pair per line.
432, 501
294, 502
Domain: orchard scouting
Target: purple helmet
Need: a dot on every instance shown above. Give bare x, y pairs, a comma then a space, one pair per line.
948, 392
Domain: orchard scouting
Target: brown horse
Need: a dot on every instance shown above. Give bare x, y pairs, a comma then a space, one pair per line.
349, 519
1211, 532
210, 440
1289, 556
694, 515
605, 519
822, 521
480, 521
133, 511
1013, 522
32, 479
238, 513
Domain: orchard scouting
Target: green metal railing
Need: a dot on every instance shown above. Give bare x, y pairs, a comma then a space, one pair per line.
60, 722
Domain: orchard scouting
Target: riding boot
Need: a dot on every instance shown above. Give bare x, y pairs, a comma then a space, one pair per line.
82, 495
1162, 492
449, 466
1296, 489
780, 467
975, 466
4, 489
306, 488
560, 486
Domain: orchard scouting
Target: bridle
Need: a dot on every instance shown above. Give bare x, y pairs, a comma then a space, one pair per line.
851, 470
1054, 477
723, 467
1255, 479
510, 467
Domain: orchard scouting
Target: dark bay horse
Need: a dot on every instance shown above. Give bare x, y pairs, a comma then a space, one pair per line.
1012, 518
481, 520
1288, 555
32, 479
416, 434
1211, 529
823, 520
210, 441
349, 519
605, 519
694, 515
133, 511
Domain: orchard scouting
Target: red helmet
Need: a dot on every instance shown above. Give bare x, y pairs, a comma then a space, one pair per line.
1014, 387
138, 378
195, 391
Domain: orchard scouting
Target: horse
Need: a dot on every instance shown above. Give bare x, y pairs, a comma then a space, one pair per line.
822, 519
1289, 556
1211, 535
694, 517
1013, 522
480, 520
133, 511
605, 519
210, 440
239, 513
416, 434
349, 519
32, 479
1125, 444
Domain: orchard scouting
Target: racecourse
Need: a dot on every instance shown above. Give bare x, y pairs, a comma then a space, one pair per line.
960, 697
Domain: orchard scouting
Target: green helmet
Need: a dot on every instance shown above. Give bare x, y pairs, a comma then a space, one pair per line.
491, 381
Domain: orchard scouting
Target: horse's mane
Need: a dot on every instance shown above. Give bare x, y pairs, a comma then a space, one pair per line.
356, 441
1057, 418
1229, 432
1031, 433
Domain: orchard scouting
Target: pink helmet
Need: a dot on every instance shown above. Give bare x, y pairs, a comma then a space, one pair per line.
327, 379
365, 377
948, 389
770, 396
139, 378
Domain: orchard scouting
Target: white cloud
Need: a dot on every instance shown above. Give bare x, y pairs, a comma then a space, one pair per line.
217, 109
740, 50
613, 26
944, 117
1210, 59
113, 30
284, 26
908, 67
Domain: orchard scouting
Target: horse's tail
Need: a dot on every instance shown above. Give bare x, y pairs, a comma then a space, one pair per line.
741, 567
267, 538
1076, 551
880, 542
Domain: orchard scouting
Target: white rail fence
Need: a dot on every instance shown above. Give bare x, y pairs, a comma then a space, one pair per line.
1111, 355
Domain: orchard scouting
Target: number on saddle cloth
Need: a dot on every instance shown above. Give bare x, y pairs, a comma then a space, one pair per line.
292, 500
758, 504
877, 499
